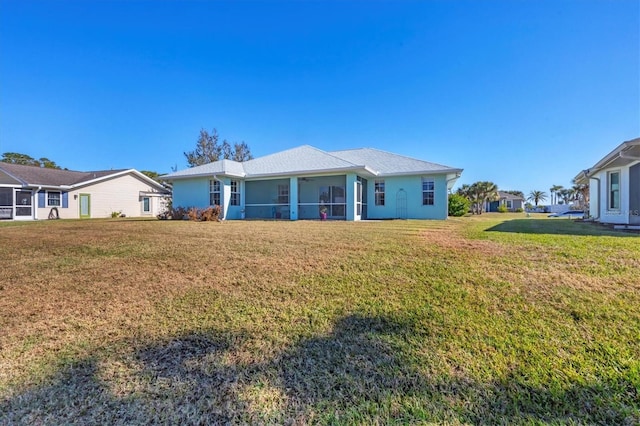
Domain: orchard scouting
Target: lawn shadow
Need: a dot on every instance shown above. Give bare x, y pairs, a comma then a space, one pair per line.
559, 226
357, 373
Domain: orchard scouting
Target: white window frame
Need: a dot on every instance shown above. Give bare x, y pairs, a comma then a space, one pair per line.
235, 193
283, 194
148, 201
509, 204
214, 192
59, 200
378, 192
428, 188
610, 191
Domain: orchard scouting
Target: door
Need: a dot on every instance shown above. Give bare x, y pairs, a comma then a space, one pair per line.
85, 206
24, 205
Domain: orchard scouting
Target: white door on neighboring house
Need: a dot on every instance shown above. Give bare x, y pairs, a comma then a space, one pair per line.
24, 205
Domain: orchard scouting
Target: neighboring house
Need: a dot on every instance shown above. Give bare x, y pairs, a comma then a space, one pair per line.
29, 192
614, 185
297, 183
510, 201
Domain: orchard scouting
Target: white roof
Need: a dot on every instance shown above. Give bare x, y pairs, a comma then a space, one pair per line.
309, 160
387, 163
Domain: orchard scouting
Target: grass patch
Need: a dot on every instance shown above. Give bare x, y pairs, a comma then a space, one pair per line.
491, 319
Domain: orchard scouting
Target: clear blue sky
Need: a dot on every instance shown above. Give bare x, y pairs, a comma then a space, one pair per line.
523, 93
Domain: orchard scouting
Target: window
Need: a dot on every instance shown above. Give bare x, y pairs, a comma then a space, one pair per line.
509, 204
428, 190
283, 194
146, 205
214, 193
235, 193
378, 189
614, 190
54, 198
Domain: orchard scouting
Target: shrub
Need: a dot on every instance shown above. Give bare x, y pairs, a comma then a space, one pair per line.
458, 205
209, 214
519, 210
116, 214
178, 213
502, 208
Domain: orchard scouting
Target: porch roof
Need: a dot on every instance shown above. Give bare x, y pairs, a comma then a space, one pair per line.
623, 155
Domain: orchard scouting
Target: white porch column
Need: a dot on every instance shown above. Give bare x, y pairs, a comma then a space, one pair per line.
293, 198
352, 193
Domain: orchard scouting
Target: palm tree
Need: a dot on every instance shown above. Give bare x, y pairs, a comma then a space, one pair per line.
479, 193
554, 190
537, 196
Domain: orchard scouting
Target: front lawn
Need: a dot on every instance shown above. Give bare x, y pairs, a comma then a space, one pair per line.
491, 319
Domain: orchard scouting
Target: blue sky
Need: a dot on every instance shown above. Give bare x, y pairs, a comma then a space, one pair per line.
522, 93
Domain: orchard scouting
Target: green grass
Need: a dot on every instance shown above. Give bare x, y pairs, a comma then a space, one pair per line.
475, 320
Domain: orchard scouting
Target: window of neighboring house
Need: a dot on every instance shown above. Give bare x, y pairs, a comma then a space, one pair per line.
146, 205
378, 189
509, 204
283, 194
54, 198
428, 192
235, 193
614, 190
214, 192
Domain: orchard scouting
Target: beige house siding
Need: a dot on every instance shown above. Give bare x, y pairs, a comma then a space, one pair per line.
118, 194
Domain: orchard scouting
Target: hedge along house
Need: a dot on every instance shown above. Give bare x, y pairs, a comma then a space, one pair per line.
28, 193
614, 185
298, 183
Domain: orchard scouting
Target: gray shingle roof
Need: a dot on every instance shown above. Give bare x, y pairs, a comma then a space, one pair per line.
32, 175
387, 163
302, 159
307, 159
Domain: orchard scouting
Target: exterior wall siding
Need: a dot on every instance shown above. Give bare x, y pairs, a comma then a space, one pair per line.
621, 216
412, 185
120, 194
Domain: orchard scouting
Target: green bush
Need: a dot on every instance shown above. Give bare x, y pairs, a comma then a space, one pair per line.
502, 209
458, 205
519, 210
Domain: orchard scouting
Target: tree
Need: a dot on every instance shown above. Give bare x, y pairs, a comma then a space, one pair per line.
537, 196
554, 189
478, 194
581, 193
208, 149
458, 205
516, 193
565, 195
26, 160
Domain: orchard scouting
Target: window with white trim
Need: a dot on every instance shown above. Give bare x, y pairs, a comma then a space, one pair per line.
146, 205
614, 190
428, 192
378, 190
509, 204
214, 192
283, 194
235, 193
54, 198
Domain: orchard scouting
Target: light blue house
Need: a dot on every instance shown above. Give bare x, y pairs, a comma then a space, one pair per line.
299, 183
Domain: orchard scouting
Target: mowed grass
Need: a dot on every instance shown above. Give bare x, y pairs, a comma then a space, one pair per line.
481, 320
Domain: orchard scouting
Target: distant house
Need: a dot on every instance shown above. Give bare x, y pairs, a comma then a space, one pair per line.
510, 201
298, 183
614, 185
28, 192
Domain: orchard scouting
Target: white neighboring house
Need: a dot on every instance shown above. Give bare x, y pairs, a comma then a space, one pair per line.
29, 192
614, 185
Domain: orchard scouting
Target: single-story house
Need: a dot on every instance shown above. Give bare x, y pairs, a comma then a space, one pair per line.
614, 185
301, 182
30, 192
510, 201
